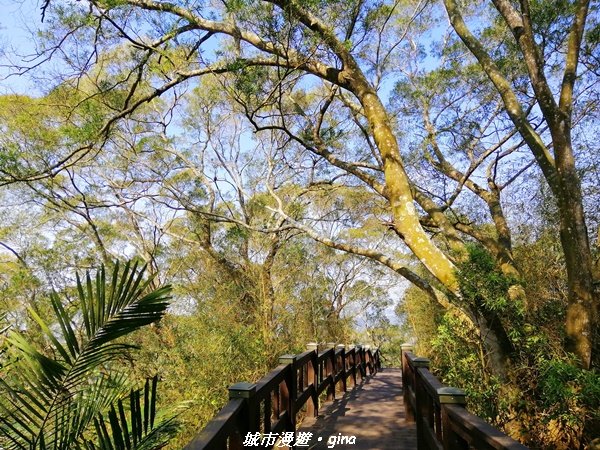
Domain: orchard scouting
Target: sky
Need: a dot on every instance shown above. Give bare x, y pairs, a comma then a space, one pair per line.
18, 21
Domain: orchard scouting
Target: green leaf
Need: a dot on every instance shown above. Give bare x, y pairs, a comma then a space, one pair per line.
54, 395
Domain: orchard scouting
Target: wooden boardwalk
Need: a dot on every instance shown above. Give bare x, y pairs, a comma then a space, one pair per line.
369, 417
373, 412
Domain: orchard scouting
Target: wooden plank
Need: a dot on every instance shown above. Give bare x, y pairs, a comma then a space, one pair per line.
269, 382
430, 382
304, 396
430, 437
216, 432
303, 358
477, 432
371, 412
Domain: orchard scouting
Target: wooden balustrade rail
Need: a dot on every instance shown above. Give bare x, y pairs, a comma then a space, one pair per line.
273, 403
439, 411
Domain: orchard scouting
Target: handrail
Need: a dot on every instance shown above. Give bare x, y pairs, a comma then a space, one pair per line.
272, 404
439, 411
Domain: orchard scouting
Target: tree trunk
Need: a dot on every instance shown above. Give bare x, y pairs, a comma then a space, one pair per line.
406, 221
582, 310
560, 171
398, 191
496, 343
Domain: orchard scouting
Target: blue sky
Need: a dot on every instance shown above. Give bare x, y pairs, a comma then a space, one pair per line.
18, 21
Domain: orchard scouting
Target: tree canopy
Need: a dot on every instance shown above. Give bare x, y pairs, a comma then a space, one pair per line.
306, 156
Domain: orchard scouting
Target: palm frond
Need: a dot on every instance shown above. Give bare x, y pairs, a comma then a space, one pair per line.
41, 403
138, 430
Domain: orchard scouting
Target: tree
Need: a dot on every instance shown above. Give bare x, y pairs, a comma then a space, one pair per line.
536, 30
230, 128
278, 60
351, 78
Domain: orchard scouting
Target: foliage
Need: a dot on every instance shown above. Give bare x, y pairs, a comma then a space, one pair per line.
546, 400
252, 150
191, 348
52, 396
483, 285
140, 430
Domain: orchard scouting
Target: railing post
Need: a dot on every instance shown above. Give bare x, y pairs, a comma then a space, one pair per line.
376, 360
406, 379
360, 352
247, 392
312, 406
330, 371
352, 364
368, 360
450, 395
342, 347
421, 401
318, 366
289, 393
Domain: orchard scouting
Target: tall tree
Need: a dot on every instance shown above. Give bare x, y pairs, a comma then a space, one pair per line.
311, 77
536, 30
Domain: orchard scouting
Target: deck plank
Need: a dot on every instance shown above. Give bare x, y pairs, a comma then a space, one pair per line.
373, 412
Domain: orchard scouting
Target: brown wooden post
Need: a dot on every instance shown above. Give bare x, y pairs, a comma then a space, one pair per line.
406, 379
330, 371
352, 365
437, 412
361, 360
318, 368
342, 347
358, 359
312, 406
421, 401
450, 395
301, 378
276, 401
289, 391
368, 360
267, 413
427, 408
375, 359
249, 422
372, 360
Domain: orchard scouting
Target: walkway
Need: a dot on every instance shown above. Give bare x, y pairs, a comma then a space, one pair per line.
373, 412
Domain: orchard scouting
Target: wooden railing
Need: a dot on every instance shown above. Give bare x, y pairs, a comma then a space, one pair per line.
439, 411
273, 403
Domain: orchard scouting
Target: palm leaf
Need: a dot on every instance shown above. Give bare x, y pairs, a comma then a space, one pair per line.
46, 402
138, 430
